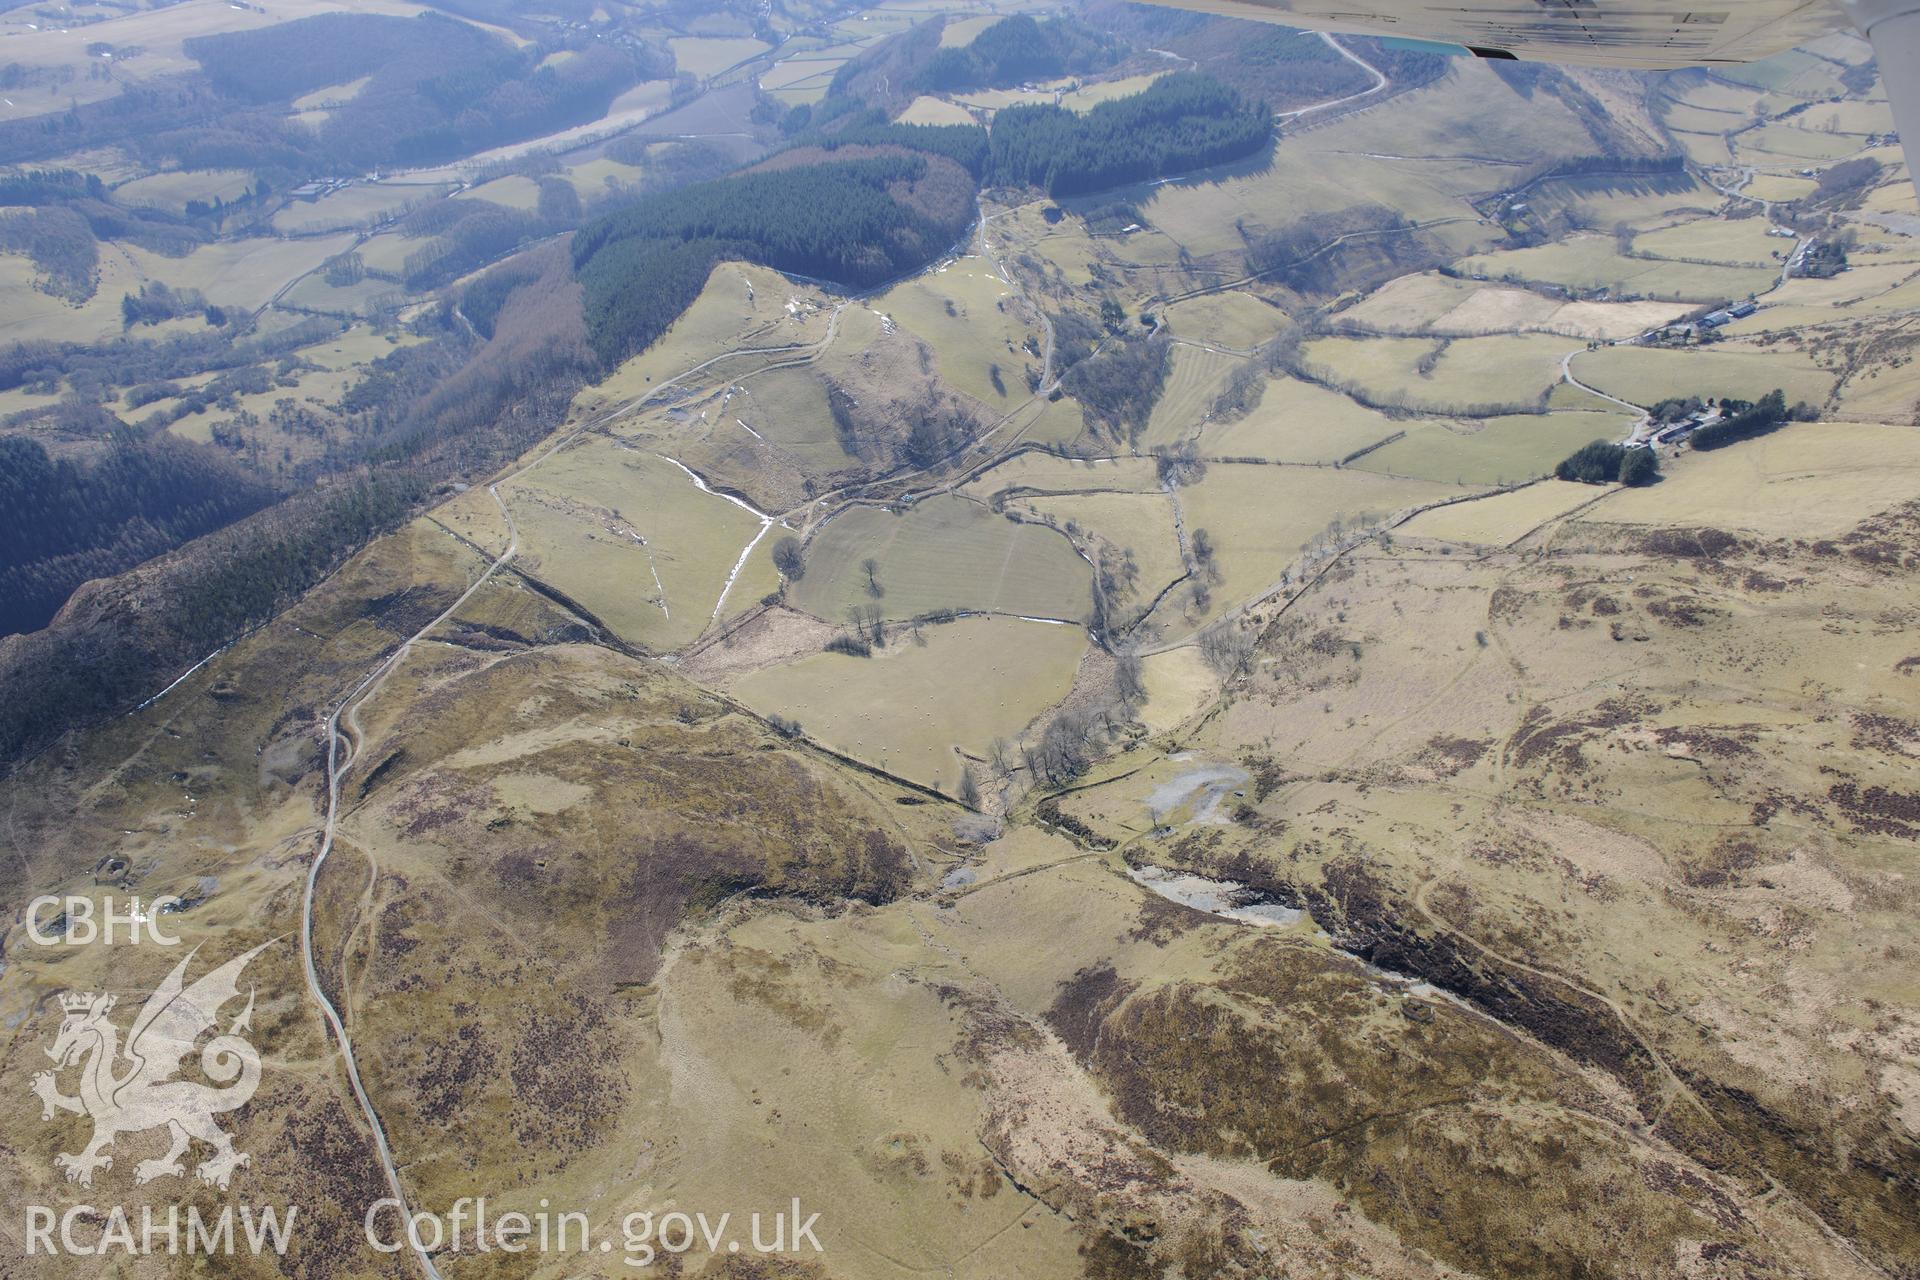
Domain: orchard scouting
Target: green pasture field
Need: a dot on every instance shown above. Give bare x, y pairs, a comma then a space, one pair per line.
19, 400
1504, 369
1874, 288
1719, 94
1777, 187
1299, 421
789, 408
232, 273
1046, 421
1470, 111
1236, 320
361, 298
1087, 97
1691, 119
1648, 374
388, 251
974, 322
1852, 116
1259, 516
1195, 380
359, 205
945, 552
1499, 519
1602, 320
804, 77
331, 95
1136, 523
1802, 144
914, 705
929, 110
1593, 262
1409, 303
1707, 149
961, 32
709, 55
1208, 213
1570, 398
512, 191
1503, 450
1734, 241
172, 191
578, 514
595, 177
243, 273
991, 100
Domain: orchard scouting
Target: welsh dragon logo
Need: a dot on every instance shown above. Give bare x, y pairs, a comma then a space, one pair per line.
132, 1089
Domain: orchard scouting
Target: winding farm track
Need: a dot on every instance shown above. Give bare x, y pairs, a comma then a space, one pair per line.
1380, 82
339, 758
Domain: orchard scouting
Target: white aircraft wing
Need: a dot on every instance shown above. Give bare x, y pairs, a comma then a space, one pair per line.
1605, 33
1645, 34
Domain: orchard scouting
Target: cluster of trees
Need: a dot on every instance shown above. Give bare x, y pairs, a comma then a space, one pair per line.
37, 187
95, 370
789, 557
1674, 408
57, 216
1848, 178
1184, 121
1119, 385
204, 594
852, 222
1247, 385
1605, 463
938, 426
866, 631
157, 302
222, 391
1309, 256
1743, 421
1075, 739
1112, 218
62, 248
964, 144
460, 236
1016, 50
672, 164
1828, 257
62, 522
444, 408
